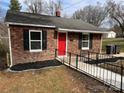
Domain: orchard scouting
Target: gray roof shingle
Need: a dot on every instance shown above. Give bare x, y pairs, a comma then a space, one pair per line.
37, 19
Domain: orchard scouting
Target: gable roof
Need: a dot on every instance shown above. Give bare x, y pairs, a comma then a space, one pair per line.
52, 21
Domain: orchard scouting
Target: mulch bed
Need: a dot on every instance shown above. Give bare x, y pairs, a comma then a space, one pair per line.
35, 65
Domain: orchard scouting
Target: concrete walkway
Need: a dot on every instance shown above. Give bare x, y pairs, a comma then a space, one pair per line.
110, 78
119, 55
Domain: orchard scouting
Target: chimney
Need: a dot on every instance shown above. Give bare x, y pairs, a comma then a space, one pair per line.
58, 13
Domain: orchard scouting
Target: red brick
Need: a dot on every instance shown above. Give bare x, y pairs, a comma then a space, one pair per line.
21, 56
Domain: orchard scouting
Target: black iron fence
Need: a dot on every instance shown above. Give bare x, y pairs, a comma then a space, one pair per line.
105, 68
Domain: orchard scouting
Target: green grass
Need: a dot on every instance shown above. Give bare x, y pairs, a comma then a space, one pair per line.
117, 41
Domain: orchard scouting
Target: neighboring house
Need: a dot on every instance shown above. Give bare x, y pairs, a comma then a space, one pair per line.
34, 37
110, 34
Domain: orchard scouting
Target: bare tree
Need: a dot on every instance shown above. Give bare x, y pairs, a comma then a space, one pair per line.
1, 15
0, 12
53, 6
41, 6
92, 14
117, 13
116, 29
35, 6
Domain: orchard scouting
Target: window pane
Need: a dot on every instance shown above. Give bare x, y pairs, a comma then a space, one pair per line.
35, 35
85, 37
35, 45
85, 44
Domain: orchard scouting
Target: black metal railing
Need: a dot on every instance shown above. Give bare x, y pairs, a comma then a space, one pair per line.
105, 68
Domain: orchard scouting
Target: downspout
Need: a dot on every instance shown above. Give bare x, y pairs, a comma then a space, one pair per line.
10, 48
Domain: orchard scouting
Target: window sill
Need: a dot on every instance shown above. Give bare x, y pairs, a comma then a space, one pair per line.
36, 50
85, 48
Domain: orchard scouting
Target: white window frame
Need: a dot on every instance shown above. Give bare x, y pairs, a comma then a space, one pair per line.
35, 50
86, 48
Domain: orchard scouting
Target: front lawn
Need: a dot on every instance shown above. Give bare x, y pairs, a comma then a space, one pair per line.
50, 80
117, 41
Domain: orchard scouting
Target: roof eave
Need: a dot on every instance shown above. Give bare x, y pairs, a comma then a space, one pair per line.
60, 29
85, 31
36, 25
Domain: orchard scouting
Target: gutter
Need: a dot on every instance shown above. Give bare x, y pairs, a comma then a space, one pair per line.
23, 24
85, 31
60, 29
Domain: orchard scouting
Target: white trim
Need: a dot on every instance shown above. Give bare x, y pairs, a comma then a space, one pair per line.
60, 29
53, 26
101, 44
35, 50
10, 47
66, 42
86, 31
86, 48
24, 24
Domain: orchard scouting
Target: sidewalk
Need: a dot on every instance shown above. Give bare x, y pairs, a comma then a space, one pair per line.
119, 55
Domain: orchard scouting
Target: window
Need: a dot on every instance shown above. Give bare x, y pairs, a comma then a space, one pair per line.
35, 40
85, 41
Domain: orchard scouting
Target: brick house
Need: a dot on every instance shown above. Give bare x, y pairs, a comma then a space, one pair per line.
34, 37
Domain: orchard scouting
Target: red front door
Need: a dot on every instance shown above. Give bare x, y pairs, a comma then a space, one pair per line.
61, 44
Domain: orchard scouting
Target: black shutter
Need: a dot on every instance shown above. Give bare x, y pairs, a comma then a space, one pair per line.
44, 39
80, 41
91, 40
55, 34
26, 39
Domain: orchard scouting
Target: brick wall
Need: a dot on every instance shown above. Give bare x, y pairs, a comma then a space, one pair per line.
96, 42
21, 56
72, 46
73, 43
